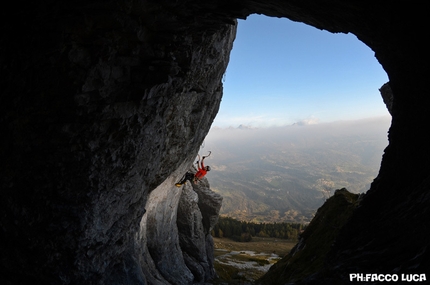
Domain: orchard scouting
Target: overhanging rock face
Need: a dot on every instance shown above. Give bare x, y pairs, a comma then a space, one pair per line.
102, 103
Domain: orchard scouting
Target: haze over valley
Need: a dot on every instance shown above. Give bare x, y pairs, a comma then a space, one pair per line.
283, 174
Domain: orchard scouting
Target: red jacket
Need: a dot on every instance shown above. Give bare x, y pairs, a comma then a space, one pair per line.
201, 172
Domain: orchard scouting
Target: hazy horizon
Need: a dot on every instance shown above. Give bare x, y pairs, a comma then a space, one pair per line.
285, 173
311, 120
379, 124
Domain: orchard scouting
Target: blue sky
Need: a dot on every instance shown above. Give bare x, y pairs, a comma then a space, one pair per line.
282, 72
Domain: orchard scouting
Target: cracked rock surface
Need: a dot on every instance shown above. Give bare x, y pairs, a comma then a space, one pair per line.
104, 105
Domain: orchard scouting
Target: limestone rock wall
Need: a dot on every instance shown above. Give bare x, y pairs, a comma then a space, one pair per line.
197, 215
105, 103
174, 241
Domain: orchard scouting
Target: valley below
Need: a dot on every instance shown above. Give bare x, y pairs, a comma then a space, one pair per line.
245, 262
284, 174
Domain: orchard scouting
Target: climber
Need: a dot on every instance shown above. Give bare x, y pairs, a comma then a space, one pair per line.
201, 172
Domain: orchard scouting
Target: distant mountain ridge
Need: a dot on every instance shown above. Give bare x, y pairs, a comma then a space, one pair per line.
284, 174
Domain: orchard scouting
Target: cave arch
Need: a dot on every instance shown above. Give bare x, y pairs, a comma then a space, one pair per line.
101, 101
387, 190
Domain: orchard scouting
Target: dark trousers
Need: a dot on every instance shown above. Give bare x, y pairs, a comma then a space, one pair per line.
188, 176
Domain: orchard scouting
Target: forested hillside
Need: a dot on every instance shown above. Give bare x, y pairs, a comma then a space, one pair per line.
244, 231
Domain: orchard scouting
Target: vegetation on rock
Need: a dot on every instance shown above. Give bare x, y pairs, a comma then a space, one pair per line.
244, 231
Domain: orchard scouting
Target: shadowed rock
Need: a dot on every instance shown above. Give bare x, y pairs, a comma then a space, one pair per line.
104, 105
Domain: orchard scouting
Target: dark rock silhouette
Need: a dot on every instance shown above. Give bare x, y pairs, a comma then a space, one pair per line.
387, 96
104, 106
308, 256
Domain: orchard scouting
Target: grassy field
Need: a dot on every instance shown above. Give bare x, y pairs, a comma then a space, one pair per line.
245, 262
267, 245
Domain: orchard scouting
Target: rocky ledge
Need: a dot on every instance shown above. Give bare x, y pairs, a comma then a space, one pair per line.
175, 231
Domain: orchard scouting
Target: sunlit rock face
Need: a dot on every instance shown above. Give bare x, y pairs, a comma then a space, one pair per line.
197, 215
105, 104
174, 232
